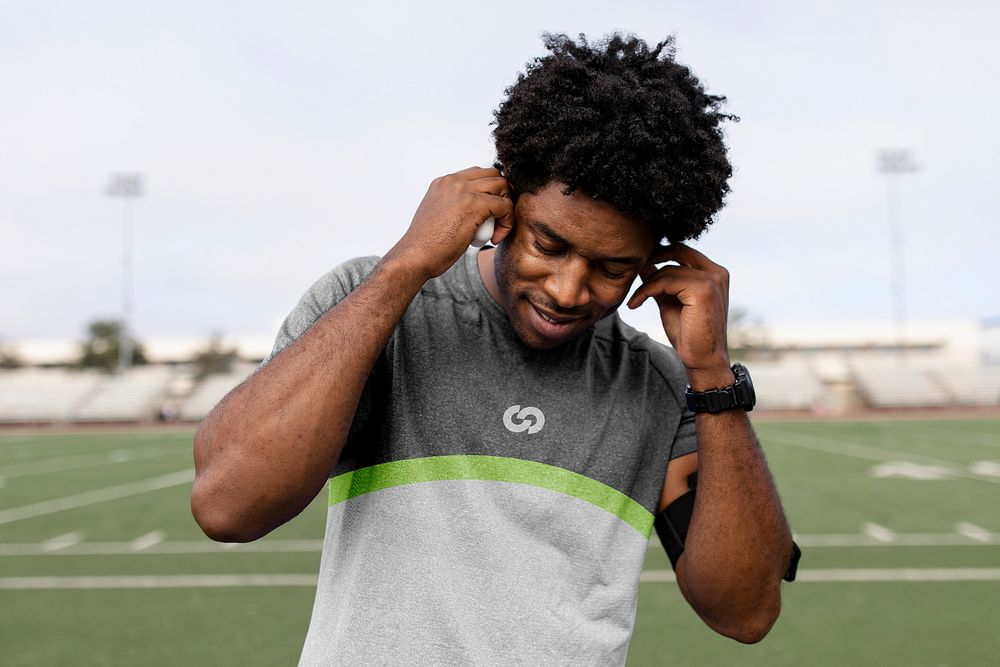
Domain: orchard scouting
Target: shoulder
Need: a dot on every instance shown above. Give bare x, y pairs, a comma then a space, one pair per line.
663, 360
323, 295
344, 278
455, 284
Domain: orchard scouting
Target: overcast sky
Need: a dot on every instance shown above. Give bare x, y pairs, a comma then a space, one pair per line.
279, 139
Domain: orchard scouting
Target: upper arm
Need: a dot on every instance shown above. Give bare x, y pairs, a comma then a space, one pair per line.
324, 294
675, 484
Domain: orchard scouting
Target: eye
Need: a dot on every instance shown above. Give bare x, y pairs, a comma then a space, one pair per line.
614, 275
547, 251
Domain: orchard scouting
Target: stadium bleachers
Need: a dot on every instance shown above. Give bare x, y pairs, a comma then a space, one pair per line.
972, 386
211, 390
896, 384
787, 385
132, 396
60, 395
43, 394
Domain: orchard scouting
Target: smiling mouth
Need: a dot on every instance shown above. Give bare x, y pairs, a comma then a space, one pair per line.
555, 320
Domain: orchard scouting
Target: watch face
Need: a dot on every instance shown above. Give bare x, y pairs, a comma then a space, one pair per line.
745, 393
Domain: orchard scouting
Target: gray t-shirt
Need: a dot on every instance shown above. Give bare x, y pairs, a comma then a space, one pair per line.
493, 503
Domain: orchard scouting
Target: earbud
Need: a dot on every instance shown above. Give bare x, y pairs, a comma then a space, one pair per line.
484, 232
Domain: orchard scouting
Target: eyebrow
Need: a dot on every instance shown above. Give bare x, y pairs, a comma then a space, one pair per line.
549, 232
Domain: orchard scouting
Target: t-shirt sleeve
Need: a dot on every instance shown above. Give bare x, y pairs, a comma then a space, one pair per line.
324, 294
686, 440
671, 368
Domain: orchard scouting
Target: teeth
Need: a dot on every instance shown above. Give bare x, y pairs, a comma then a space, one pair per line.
549, 319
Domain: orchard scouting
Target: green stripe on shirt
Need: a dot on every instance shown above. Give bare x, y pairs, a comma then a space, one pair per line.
492, 469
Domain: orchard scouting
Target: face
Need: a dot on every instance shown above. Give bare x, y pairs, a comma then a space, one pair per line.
569, 261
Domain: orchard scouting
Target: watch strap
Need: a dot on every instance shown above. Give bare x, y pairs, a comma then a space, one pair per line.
739, 395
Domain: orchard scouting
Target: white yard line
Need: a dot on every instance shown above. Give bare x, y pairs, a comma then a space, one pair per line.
309, 580
179, 547
879, 533
61, 542
77, 461
159, 581
902, 574
967, 535
98, 496
153, 543
906, 574
974, 532
856, 450
901, 540
964, 439
146, 541
949, 436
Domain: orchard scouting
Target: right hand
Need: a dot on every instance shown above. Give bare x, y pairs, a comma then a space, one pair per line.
451, 211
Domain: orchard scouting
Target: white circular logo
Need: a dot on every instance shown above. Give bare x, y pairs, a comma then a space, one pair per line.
518, 419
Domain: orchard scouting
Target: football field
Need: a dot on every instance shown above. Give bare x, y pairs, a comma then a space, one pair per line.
899, 520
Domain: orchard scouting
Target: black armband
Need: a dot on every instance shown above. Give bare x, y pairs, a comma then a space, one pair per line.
672, 523
672, 527
793, 564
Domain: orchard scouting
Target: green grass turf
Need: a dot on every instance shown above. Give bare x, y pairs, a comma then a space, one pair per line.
823, 470
879, 624
198, 626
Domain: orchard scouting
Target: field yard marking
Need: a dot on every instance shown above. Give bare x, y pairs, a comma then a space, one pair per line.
61, 541
904, 574
856, 450
98, 496
310, 580
974, 532
966, 438
986, 468
89, 460
901, 540
146, 541
836, 540
970, 536
179, 547
879, 533
159, 581
910, 470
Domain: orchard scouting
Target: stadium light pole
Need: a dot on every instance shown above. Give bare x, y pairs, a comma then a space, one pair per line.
127, 186
894, 163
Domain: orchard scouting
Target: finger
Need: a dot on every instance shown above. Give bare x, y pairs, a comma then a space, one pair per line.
502, 229
474, 172
501, 208
684, 255
667, 281
496, 185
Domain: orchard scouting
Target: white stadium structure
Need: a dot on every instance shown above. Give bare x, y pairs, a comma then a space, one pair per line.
840, 368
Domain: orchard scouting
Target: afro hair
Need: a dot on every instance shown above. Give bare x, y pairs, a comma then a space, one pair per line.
622, 123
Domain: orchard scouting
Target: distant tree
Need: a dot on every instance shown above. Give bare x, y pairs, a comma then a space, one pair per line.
215, 358
9, 358
747, 335
100, 350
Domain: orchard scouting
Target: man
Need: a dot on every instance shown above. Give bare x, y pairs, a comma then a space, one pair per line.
497, 440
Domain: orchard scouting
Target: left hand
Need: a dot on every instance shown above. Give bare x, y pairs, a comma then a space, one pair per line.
694, 304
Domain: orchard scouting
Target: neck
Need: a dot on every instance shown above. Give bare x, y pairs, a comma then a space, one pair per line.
488, 273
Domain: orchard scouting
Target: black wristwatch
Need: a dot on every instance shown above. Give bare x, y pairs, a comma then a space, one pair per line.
736, 396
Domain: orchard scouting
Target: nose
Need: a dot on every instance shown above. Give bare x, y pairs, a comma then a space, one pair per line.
567, 286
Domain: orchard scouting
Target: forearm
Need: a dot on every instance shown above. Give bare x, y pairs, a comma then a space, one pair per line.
739, 542
267, 449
